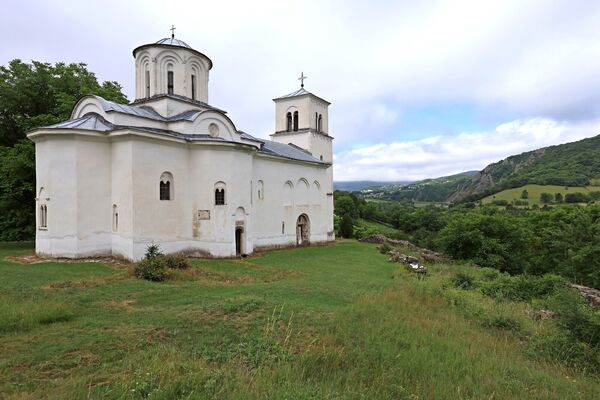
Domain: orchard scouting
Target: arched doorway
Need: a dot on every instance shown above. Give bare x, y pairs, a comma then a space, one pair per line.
302, 230
239, 237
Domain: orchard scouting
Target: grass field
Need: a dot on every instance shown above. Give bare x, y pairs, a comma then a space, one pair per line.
332, 322
535, 191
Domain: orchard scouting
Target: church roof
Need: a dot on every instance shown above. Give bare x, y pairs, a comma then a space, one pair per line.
91, 121
288, 151
173, 42
145, 111
95, 122
298, 93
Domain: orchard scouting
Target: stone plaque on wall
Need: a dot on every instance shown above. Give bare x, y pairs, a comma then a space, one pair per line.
203, 214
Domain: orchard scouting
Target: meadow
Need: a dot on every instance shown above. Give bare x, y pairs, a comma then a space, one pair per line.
535, 191
330, 322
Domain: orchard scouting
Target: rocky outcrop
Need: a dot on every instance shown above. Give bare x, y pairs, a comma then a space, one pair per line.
427, 255
590, 294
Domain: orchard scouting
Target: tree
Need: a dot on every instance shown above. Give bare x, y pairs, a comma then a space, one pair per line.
525, 194
546, 198
34, 95
558, 198
346, 226
17, 191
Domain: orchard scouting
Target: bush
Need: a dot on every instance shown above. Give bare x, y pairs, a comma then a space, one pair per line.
152, 251
151, 269
175, 262
385, 248
346, 227
523, 287
463, 281
505, 322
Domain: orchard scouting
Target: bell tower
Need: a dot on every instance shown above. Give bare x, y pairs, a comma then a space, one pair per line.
302, 119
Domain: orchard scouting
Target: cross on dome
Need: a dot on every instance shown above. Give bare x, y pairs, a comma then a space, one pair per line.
172, 31
302, 78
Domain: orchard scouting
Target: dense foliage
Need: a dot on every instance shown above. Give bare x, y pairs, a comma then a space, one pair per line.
33, 95
564, 240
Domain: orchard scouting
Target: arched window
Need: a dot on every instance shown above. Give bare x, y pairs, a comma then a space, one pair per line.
43, 217
115, 218
316, 120
261, 190
219, 197
147, 83
193, 87
166, 186
219, 193
320, 125
170, 82
295, 121
289, 121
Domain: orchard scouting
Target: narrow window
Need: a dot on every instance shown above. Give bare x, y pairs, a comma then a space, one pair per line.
147, 83
282, 227
166, 186
320, 127
170, 82
317, 121
165, 189
289, 122
115, 218
321, 158
295, 121
193, 87
43, 217
219, 197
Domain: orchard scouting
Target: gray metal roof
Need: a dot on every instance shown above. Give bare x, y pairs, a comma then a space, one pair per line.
144, 111
300, 92
173, 42
287, 151
176, 97
91, 121
95, 122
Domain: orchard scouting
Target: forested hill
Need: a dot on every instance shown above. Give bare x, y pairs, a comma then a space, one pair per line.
570, 164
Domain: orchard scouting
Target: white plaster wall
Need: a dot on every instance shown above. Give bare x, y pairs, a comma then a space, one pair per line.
84, 178
306, 105
184, 63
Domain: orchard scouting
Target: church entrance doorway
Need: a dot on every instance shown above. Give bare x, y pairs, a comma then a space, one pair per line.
239, 234
302, 230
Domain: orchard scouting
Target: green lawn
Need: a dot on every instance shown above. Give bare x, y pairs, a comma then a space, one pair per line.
535, 191
331, 322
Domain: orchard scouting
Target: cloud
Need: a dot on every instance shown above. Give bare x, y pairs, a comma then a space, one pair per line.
438, 155
375, 61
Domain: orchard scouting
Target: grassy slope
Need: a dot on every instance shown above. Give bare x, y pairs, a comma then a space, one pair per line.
535, 191
324, 322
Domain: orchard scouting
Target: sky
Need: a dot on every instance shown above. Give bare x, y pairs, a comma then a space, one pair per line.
418, 89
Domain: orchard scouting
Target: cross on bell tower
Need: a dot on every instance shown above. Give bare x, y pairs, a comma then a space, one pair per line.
302, 78
172, 31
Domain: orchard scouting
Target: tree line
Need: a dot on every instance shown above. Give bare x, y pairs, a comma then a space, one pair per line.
562, 240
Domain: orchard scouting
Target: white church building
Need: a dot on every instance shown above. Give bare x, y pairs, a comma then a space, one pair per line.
171, 169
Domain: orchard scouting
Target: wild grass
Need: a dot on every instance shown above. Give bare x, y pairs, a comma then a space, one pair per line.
334, 322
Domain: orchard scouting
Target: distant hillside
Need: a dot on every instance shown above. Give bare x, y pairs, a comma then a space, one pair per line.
570, 164
353, 186
433, 190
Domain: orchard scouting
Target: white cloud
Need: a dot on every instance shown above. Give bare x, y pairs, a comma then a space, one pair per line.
510, 58
438, 156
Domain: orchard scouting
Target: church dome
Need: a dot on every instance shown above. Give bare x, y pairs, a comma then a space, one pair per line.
173, 42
